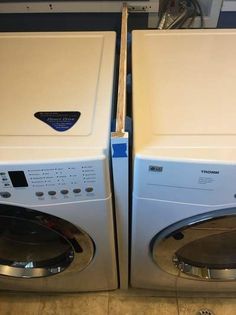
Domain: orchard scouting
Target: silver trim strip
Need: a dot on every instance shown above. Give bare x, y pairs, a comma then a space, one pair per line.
77, 6
228, 6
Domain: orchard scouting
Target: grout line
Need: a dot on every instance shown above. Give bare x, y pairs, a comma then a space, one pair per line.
177, 304
39, 304
108, 303
176, 295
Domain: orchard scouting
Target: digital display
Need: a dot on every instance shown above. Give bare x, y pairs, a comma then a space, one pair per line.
18, 179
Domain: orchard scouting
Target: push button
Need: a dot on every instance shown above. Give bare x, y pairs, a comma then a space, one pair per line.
52, 193
39, 193
64, 191
76, 190
5, 194
89, 189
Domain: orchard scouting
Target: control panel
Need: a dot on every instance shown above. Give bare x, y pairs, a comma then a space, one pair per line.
52, 183
193, 182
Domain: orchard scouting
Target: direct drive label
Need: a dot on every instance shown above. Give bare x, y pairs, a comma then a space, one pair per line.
59, 121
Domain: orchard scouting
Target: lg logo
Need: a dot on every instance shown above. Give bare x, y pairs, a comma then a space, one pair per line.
155, 168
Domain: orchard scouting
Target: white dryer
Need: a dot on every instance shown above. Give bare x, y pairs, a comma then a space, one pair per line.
56, 214
184, 193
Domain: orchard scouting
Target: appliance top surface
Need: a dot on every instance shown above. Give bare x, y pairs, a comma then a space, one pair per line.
54, 86
184, 88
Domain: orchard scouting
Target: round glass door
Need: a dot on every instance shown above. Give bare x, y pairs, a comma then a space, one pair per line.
204, 249
34, 244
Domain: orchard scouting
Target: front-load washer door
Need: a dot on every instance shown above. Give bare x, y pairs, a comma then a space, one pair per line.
198, 248
34, 244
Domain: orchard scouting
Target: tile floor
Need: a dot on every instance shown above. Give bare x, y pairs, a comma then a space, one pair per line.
115, 303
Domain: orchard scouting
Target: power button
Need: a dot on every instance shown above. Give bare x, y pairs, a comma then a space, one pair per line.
5, 194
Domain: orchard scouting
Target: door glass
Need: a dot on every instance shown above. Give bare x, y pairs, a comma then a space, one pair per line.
214, 251
27, 243
204, 249
29, 249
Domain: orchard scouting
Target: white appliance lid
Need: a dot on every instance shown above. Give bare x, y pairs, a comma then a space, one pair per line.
184, 81
49, 82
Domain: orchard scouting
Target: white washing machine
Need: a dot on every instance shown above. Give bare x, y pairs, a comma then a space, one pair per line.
56, 214
184, 189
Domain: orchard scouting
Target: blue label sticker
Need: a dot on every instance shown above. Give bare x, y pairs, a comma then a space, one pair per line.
59, 121
119, 150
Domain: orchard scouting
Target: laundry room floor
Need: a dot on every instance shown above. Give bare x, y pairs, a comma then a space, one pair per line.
115, 303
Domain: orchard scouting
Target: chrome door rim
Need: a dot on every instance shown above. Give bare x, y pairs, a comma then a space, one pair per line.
72, 260
205, 273
164, 253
